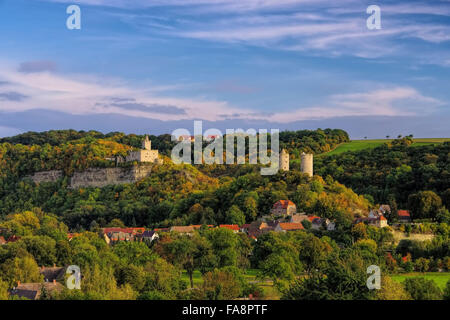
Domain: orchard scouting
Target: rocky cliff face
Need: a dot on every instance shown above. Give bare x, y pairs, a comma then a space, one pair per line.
100, 177
97, 177
46, 176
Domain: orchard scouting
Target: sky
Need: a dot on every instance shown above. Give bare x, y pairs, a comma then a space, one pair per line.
152, 66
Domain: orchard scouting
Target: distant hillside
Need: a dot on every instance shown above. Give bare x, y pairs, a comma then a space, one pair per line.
391, 170
356, 145
171, 194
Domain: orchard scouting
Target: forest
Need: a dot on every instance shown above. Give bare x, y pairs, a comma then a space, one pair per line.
216, 263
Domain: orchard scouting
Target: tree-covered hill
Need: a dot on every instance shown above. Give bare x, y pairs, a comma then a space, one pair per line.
392, 171
173, 194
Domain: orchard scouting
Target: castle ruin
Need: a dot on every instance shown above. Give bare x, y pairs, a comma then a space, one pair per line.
146, 154
284, 160
307, 163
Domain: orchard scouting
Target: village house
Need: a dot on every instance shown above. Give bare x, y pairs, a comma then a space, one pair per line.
287, 226
147, 236
33, 291
121, 234
2, 241
257, 228
283, 208
187, 230
53, 273
379, 222
233, 227
318, 223
404, 216
297, 218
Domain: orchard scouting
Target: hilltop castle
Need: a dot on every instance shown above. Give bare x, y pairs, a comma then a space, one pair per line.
146, 154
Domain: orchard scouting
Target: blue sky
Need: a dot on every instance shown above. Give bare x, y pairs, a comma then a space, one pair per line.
154, 66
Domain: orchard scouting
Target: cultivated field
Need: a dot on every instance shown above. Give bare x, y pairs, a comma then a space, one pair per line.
356, 145
440, 278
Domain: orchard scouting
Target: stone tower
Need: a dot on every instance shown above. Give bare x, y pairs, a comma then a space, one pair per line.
307, 163
146, 144
284, 160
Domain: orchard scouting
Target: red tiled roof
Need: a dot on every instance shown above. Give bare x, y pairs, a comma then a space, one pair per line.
182, 229
2, 240
233, 227
198, 226
312, 218
382, 218
124, 230
283, 203
403, 213
288, 226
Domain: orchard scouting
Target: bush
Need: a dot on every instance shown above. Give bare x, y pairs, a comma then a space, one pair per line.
422, 289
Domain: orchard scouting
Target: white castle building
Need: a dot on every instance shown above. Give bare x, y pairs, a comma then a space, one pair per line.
146, 154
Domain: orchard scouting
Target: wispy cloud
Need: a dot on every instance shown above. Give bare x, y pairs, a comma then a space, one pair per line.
37, 66
85, 94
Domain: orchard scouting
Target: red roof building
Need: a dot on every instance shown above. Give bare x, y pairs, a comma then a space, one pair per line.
283, 207
290, 226
404, 215
124, 230
233, 227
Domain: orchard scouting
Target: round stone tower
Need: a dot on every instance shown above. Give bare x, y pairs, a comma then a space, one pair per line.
284, 160
307, 164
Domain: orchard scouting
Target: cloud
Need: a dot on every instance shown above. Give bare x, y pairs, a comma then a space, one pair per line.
80, 94
394, 101
165, 109
87, 94
314, 27
12, 96
37, 66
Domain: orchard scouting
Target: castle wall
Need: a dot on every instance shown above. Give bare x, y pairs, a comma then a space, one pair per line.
46, 176
96, 177
100, 177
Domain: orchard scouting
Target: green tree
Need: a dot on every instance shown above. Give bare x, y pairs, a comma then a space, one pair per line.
235, 216
182, 251
422, 289
447, 291
424, 204
3, 290
220, 285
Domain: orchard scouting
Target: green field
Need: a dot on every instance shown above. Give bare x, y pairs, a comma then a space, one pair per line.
440, 278
270, 292
356, 145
